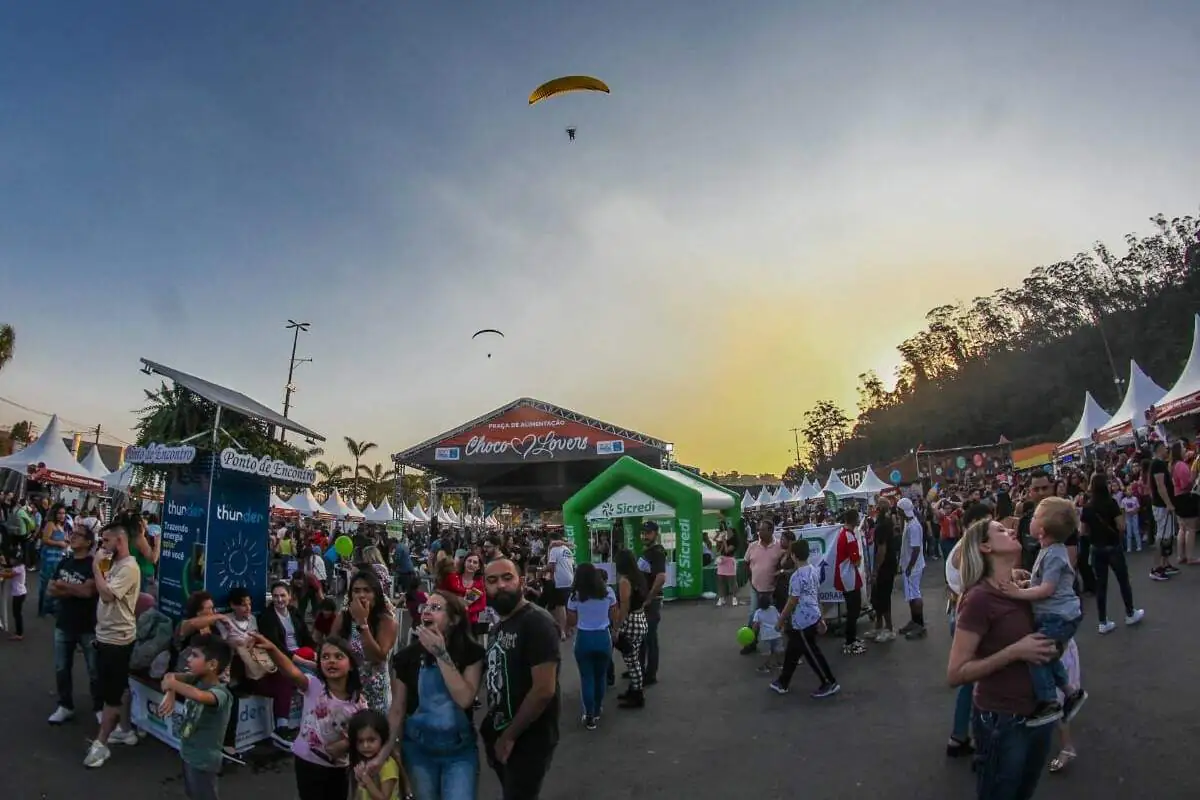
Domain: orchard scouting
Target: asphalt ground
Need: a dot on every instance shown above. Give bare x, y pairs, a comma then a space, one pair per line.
711, 728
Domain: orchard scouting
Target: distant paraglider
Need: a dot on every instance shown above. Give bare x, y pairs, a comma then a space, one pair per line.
564, 85
490, 331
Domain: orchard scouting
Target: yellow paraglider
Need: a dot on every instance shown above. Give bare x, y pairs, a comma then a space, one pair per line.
570, 83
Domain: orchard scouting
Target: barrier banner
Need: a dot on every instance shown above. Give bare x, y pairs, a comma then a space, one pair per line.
181, 564
821, 543
236, 547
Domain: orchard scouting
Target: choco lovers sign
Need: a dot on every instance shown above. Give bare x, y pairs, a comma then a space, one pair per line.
526, 435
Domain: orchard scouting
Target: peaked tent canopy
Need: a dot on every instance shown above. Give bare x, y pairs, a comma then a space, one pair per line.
280, 507
120, 480
94, 464
1093, 417
764, 498
1184, 397
368, 511
382, 513
836, 486
785, 494
420, 513
1140, 394
336, 507
306, 504
747, 500
355, 511
408, 515
871, 484
61, 467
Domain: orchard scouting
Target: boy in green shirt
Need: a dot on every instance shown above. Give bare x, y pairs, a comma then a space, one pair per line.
204, 718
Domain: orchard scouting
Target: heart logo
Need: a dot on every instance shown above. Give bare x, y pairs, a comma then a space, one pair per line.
524, 446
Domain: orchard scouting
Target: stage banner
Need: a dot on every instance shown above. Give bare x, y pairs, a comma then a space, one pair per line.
237, 546
821, 542
181, 564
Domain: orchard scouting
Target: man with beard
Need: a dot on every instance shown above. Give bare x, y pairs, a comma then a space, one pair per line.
886, 563
1039, 489
520, 730
653, 565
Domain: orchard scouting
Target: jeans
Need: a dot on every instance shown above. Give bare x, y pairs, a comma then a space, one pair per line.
1133, 535
1049, 677
1083, 564
946, 545
650, 644
1010, 757
199, 784
64, 661
964, 707
1104, 559
593, 654
438, 775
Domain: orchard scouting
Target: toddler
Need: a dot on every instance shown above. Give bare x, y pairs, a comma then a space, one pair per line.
766, 628
1133, 534
726, 574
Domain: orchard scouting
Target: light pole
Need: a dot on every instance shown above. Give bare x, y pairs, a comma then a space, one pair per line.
295, 327
796, 439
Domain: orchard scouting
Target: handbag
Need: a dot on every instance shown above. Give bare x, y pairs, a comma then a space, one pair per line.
257, 660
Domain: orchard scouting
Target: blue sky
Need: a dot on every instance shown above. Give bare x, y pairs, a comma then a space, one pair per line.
764, 206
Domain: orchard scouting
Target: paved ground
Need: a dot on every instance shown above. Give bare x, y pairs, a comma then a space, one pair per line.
711, 728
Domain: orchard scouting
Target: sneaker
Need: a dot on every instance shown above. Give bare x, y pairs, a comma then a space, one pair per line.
284, 737
97, 754
762, 669
1137, 616
956, 748
61, 715
1171, 569
720, 602
589, 723
827, 690
119, 736
871, 636
916, 632
885, 636
1073, 703
778, 688
855, 649
1106, 627
906, 628
733, 602
1045, 714
1158, 574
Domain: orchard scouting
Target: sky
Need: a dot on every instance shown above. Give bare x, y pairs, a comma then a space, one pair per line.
764, 206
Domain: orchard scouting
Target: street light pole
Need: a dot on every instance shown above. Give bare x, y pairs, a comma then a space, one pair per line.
295, 327
796, 439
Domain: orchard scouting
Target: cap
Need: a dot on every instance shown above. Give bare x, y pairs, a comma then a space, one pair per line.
906, 506
650, 525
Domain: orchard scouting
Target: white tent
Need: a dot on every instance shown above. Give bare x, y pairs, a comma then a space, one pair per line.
747, 500
306, 504
120, 480
355, 511
94, 464
836, 486
491, 521
1184, 397
871, 484
336, 507
814, 488
764, 498
368, 511
785, 494
1093, 417
407, 515
49, 450
280, 505
382, 513
1140, 394
420, 513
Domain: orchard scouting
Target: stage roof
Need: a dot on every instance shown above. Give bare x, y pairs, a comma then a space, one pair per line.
228, 398
529, 453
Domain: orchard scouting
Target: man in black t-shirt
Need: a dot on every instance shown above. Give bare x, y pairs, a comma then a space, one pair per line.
886, 562
75, 626
1039, 489
653, 565
520, 730
1162, 503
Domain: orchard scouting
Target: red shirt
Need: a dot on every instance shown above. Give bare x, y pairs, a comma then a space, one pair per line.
454, 583
847, 558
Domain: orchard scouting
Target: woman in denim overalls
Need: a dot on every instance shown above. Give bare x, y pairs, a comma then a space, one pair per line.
54, 548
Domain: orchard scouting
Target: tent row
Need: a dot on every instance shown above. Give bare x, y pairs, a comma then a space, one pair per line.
304, 504
810, 490
1145, 404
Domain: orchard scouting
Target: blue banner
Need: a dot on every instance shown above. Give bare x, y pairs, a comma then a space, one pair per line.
237, 550
181, 565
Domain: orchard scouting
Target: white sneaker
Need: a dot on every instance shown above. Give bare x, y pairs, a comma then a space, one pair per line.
119, 736
1106, 627
61, 715
99, 717
720, 602
886, 636
733, 602
97, 754
1137, 616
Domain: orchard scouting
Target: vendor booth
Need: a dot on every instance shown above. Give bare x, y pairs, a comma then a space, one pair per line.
615, 503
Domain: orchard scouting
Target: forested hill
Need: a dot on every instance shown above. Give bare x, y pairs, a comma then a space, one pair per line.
1018, 362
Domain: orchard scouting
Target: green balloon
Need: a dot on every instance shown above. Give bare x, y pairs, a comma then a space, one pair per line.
745, 636
343, 546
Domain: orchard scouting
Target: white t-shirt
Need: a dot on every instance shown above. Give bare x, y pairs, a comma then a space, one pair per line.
805, 586
1130, 504
289, 631
914, 536
564, 566
767, 618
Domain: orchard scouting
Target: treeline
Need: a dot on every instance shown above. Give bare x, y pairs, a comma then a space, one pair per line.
1016, 363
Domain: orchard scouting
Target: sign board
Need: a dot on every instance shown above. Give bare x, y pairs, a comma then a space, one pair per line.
630, 502
266, 467
161, 454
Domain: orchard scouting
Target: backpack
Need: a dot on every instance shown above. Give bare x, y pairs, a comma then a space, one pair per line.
12, 525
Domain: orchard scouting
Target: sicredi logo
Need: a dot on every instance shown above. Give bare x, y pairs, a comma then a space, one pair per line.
184, 510
227, 514
611, 509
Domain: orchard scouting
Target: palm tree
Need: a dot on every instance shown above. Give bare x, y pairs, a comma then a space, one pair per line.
380, 483
22, 431
330, 477
7, 339
357, 451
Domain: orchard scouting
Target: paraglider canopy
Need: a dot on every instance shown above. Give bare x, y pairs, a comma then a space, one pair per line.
488, 331
569, 83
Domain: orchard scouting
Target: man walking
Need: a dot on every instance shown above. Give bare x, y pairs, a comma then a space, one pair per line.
762, 557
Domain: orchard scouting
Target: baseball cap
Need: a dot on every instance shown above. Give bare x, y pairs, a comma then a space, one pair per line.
906, 506
650, 525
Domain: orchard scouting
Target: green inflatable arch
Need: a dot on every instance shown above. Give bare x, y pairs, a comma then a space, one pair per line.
631, 491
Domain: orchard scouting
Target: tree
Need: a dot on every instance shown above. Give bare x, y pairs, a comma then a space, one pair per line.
380, 482
22, 432
8, 339
329, 477
826, 427
357, 451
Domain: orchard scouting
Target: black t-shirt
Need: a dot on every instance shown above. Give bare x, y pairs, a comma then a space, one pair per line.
518, 644
652, 564
1159, 467
1029, 545
76, 615
406, 666
885, 535
1101, 518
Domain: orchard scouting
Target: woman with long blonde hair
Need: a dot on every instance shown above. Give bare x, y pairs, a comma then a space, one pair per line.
994, 643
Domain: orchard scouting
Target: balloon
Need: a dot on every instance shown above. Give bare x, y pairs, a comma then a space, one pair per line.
745, 636
343, 546
569, 83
